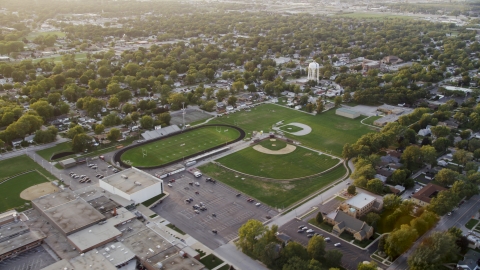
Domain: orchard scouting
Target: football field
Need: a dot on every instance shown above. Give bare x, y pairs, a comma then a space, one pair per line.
179, 146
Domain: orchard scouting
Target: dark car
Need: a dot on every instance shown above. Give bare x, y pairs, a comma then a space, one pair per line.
239, 194
300, 231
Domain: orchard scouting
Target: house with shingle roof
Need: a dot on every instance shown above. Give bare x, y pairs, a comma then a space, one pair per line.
342, 221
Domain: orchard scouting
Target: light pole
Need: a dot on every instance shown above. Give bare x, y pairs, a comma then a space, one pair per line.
183, 114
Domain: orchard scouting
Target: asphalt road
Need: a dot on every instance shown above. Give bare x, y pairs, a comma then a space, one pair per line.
458, 219
352, 255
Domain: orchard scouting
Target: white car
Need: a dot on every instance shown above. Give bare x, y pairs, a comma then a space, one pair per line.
310, 231
337, 244
197, 184
170, 185
258, 204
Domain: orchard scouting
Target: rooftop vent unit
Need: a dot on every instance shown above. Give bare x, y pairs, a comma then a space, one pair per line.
124, 176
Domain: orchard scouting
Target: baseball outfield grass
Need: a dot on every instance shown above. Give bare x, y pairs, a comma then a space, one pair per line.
179, 146
278, 194
301, 162
330, 132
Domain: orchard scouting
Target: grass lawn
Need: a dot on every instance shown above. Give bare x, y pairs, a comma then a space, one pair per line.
173, 227
301, 162
49, 152
471, 223
371, 119
149, 202
10, 190
384, 227
201, 252
290, 128
347, 236
176, 147
277, 194
324, 226
211, 261
330, 132
225, 267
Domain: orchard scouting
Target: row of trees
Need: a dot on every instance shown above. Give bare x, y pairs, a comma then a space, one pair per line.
261, 242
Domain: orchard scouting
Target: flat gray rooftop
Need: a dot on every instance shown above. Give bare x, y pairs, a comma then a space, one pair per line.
97, 234
146, 243
136, 180
55, 199
177, 262
93, 192
20, 241
73, 215
90, 260
117, 253
10, 229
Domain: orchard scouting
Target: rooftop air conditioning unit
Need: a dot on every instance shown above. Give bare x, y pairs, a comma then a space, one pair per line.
124, 176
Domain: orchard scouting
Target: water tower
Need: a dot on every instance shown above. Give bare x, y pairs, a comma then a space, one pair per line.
313, 71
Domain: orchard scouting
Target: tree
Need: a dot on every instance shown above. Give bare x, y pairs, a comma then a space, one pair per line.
114, 134
43, 109
247, 235
333, 258
104, 72
111, 119
238, 86
433, 252
127, 108
53, 98
399, 176
375, 185
81, 142
2, 144
411, 156
429, 154
352, 190
391, 201
176, 100
146, 122
222, 94
99, 129
461, 156
113, 88
113, 102
127, 121
164, 118
320, 106
209, 105
338, 101
124, 96
316, 247
232, 101
294, 249
74, 131
319, 217
440, 131
400, 240
372, 218
444, 202
446, 176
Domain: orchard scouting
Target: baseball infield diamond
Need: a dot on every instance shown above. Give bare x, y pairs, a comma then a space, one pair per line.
286, 150
38, 191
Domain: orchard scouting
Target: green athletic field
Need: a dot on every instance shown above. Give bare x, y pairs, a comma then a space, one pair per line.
299, 163
179, 146
330, 132
276, 194
11, 189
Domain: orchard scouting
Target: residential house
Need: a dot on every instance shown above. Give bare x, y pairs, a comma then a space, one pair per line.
471, 261
393, 60
370, 64
343, 222
426, 194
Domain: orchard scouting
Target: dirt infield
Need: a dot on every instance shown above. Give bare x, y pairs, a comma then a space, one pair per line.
286, 150
37, 191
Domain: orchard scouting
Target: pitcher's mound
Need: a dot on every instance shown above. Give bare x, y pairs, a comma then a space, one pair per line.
37, 191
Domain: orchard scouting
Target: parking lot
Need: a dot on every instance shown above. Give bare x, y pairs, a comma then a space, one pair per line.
84, 169
219, 199
34, 259
352, 255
